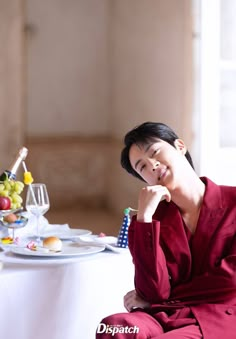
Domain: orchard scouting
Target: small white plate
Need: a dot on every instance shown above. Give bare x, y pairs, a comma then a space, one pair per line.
68, 250
66, 234
110, 242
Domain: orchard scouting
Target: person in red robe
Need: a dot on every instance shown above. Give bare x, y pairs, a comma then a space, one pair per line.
183, 244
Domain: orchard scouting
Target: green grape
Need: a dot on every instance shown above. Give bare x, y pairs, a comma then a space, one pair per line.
4, 193
14, 205
20, 183
12, 183
16, 198
12, 189
18, 187
7, 185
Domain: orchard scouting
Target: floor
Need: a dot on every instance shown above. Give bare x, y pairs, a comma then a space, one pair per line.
96, 220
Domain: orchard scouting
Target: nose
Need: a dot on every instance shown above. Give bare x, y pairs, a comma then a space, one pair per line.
154, 164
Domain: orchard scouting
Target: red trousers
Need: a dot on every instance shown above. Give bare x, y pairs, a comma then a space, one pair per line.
141, 325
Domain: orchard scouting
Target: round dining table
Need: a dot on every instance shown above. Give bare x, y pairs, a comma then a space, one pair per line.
61, 297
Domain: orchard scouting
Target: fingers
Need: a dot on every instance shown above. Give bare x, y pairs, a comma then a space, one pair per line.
149, 199
132, 300
129, 300
156, 192
161, 191
166, 196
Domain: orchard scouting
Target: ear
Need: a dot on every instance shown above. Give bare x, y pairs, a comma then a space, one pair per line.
180, 146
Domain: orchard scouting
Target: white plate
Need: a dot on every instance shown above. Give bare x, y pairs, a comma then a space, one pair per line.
109, 242
68, 250
66, 234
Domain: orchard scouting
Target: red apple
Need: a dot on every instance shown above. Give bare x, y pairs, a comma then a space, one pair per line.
5, 203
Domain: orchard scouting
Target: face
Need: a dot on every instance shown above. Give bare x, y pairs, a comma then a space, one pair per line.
159, 163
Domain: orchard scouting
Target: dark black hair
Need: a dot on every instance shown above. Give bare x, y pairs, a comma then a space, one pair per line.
144, 133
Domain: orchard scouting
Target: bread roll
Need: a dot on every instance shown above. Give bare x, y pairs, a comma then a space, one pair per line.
53, 244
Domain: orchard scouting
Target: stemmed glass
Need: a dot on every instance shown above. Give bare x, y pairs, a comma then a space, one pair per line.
12, 224
37, 202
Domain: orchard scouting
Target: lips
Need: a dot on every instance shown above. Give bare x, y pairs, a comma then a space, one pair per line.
161, 173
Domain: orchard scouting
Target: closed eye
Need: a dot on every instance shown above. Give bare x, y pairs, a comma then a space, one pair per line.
154, 152
142, 168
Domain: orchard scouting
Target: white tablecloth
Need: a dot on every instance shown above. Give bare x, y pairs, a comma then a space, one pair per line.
61, 299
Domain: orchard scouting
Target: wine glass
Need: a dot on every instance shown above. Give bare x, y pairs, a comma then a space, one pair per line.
37, 202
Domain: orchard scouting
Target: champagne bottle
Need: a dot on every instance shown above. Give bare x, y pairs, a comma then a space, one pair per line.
11, 172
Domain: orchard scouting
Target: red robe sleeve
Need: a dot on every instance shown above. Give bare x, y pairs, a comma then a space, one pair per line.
151, 274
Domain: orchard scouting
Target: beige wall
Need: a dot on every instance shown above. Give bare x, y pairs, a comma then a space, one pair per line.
68, 67
96, 69
11, 79
151, 51
151, 76
100, 67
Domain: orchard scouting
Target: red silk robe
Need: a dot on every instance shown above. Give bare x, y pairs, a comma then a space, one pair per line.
174, 270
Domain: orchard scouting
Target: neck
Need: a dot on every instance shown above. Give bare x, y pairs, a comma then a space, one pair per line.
189, 200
